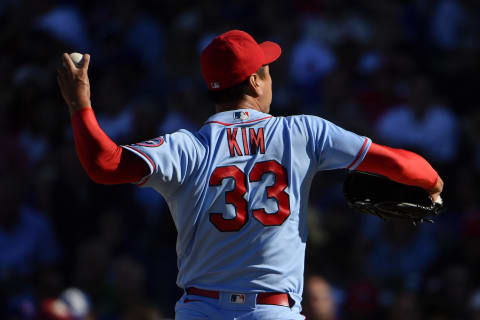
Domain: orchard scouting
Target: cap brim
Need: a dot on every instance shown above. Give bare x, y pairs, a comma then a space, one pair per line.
271, 50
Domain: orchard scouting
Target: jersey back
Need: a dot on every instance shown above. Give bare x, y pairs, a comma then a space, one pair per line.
238, 192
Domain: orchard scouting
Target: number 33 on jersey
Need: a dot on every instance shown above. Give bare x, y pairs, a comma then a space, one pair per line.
236, 196
237, 190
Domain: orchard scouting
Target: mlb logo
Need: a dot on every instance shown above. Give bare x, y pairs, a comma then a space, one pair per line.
237, 298
240, 115
215, 85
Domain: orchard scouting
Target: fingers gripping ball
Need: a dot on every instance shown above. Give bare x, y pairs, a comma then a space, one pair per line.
77, 59
382, 197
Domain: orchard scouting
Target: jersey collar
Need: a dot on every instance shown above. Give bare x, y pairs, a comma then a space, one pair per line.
238, 116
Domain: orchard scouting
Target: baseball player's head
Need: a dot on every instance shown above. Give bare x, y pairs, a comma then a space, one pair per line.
235, 68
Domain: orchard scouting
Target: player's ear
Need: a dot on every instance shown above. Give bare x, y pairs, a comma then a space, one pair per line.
256, 84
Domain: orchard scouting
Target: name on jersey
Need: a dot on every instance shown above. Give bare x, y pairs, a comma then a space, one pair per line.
252, 141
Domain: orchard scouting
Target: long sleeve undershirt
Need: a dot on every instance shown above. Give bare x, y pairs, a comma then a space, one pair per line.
104, 161
107, 163
399, 165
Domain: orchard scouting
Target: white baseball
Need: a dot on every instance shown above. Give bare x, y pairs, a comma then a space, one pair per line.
77, 59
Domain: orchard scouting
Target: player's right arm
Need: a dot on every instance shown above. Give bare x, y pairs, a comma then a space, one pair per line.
104, 161
163, 163
336, 148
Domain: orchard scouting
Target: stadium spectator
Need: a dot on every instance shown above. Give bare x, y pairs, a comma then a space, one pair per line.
319, 302
421, 124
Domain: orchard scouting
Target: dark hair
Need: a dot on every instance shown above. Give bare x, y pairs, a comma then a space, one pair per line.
235, 93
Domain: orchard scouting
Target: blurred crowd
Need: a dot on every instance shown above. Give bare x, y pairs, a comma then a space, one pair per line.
401, 72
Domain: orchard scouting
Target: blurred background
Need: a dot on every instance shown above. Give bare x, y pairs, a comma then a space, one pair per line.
401, 72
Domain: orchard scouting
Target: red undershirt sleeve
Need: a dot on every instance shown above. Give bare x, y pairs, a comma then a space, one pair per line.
104, 161
399, 165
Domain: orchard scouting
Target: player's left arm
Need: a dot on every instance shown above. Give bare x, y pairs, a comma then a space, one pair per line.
336, 148
402, 166
104, 161
332, 147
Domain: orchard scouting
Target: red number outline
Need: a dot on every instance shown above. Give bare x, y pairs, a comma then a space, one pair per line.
233, 197
275, 191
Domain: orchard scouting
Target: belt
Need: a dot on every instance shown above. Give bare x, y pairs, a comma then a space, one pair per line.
273, 298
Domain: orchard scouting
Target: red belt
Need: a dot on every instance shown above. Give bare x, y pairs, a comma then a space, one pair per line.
274, 298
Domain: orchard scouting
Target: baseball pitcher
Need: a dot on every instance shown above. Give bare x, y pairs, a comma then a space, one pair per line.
237, 188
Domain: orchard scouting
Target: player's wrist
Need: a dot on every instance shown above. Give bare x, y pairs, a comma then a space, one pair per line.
437, 187
78, 104
74, 107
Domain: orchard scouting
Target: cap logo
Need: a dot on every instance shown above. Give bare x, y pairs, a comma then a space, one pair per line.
215, 85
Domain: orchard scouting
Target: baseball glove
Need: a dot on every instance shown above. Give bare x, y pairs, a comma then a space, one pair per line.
387, 199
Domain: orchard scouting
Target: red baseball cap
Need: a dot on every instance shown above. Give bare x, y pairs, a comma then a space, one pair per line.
233, 56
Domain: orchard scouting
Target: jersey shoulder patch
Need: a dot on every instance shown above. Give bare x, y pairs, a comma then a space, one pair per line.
156, 142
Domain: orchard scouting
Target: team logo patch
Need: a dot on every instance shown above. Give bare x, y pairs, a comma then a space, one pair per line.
241, 115
237, 298
157, 142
